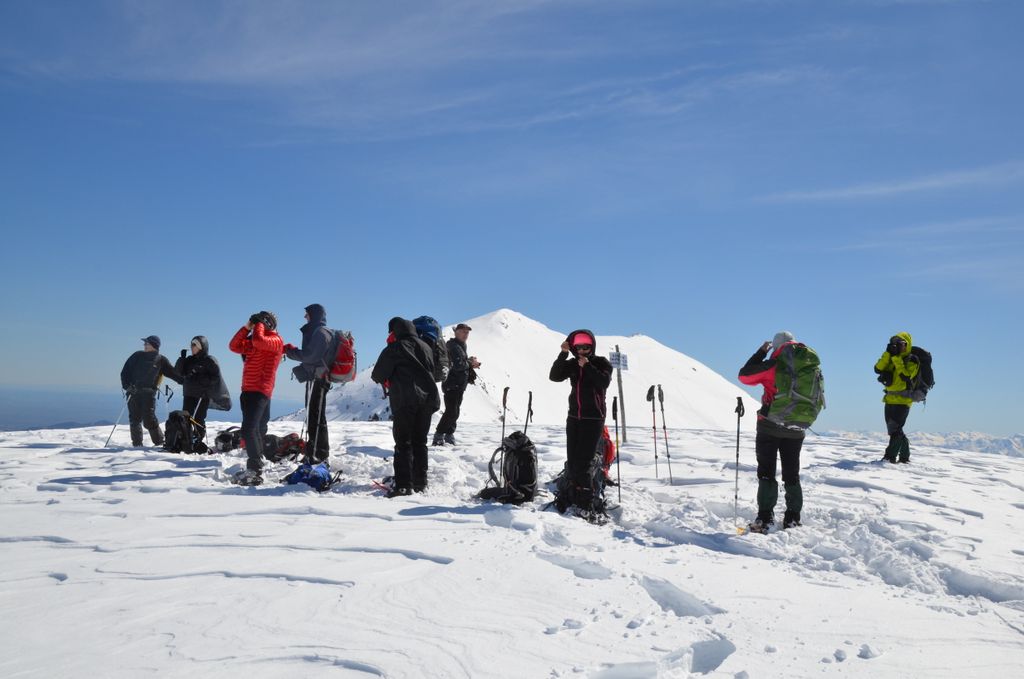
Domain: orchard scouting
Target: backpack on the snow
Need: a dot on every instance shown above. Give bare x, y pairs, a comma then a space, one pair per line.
318, 476
925, 378
430, 332
587, 498
518, 471
289, 447
182, 434
800, 386
343, 367
228, 440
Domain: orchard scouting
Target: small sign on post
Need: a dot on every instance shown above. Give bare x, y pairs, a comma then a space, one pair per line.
618, 360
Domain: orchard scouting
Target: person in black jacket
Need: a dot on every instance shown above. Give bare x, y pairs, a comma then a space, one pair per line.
407, 365
314, 363
461, 373
140, 379
589, 376
203, 383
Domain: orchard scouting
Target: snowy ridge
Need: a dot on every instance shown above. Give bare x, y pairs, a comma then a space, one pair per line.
140, 561
517, 352
967, 440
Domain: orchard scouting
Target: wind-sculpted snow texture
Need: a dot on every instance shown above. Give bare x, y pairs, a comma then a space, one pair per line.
125, 563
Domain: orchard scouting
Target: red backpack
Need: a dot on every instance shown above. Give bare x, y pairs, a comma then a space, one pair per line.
343, 369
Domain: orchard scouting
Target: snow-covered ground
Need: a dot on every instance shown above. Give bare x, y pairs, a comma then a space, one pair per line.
125, 563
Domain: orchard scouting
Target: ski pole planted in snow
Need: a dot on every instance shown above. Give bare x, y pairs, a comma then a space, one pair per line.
529, 412
736, 496
501, 443
618, 467
664, 429
654, 428
118, 421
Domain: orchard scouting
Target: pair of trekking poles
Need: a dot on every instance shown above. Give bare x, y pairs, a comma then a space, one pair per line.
168, 393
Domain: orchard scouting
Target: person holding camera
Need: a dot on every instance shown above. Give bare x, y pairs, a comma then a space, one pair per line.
262, 351
140, 378
314, 363
406, 365
896, 370
461, 373
202, 380
589, 376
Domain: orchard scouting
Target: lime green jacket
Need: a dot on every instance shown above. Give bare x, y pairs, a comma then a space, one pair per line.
898, 373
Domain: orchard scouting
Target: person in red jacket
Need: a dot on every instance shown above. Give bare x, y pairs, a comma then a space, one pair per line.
262, 351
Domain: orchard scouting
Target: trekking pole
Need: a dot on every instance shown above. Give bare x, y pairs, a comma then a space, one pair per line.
529, 412
501, 444
618, 466
668, 455
316, 436
305, 420
118, 421
654, 428
736, 497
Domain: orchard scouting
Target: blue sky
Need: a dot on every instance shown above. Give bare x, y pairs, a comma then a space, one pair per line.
702, 172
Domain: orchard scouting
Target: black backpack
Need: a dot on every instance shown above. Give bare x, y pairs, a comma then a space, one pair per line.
518, 468
278, 448
588, 499
925, 378
228, 440
430, 332
182, 434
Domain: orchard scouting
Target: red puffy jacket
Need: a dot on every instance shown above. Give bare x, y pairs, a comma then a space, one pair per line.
262, 355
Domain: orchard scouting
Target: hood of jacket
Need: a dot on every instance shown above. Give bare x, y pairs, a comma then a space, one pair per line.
905, 336
204, 345
317, 314
593, 341
402, 327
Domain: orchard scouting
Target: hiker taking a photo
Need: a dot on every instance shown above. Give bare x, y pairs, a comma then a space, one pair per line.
897, 370
141, 377
202, 383
794, 393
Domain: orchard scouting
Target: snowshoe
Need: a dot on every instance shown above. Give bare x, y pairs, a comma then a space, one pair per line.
249, 477
398, 491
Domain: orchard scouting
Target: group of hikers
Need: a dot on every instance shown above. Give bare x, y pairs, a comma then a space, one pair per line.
416, 359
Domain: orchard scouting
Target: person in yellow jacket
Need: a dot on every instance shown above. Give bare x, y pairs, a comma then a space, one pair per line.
896, 369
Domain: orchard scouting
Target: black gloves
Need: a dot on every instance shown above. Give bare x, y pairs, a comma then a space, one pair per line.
184, 353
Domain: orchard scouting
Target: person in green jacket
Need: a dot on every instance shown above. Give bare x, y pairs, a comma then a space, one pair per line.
896, 369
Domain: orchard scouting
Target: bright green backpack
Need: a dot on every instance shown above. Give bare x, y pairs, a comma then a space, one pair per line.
800, 387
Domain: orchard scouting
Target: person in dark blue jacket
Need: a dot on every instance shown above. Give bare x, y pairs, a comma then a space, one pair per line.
589, 376
140, 378
315, 358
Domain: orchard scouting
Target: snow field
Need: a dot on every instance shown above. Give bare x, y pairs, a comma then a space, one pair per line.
139, 561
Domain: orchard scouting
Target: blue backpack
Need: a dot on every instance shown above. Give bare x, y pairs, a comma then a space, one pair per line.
318, 477
429, 330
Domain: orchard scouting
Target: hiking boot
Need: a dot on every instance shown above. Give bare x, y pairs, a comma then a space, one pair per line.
759, 525
449, 439
419, 487
904, 460
791, 520
438, 440
888, 458
399, 492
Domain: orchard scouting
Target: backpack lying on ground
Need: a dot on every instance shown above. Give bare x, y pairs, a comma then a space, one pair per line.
228, 440
800, 387
925, 378
587, 499
430, 332
278, 448
182, 434
518, 468
318, 476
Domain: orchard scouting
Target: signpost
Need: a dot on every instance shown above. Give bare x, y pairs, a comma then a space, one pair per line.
620, 362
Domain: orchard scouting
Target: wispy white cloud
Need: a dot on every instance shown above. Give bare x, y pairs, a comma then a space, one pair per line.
1001, 174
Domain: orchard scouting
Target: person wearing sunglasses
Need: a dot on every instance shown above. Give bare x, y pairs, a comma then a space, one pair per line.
203, 381
589, 376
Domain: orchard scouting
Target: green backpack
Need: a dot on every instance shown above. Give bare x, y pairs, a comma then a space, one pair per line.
800, 387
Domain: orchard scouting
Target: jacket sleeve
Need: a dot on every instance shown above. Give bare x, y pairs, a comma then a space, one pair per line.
383, 368
600, 371
125, 375
757, 370
315, 353
457, 357
907, 368
261, 341
239, 343
884, 363
561, 368
167, 370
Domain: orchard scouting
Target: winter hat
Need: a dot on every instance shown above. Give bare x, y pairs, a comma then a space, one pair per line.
582, 338
152, 341
781, 338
